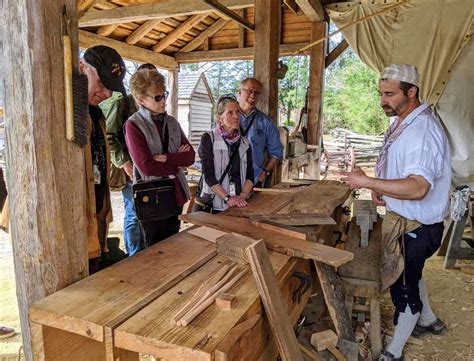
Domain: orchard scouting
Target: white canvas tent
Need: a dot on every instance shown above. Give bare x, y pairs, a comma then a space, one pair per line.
435, 36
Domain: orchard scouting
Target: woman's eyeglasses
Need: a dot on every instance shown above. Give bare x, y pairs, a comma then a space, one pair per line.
159, 98
226, 97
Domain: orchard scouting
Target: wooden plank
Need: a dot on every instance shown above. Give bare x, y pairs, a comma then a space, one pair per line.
45, 177
293, 6
284, 244
191, 22
142, 30
230, 54
233, 246
316, 87
278, 190
308, 351
211, 30
150, 330
334, 296
453, 251
161, 10
335, 53
375, 326
136, 281
295, 219
267, 40
209, 234
135, 53
313, 9
262, 203
321, 197
275, 227
229, 13
272, 300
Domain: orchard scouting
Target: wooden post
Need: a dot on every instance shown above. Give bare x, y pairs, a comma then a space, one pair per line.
172, 103
46, 176
316, 88
266, 50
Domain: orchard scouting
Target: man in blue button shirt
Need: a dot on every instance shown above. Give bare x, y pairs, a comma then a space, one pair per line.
264, 136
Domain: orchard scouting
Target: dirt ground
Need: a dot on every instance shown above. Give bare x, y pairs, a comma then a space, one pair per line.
451, 293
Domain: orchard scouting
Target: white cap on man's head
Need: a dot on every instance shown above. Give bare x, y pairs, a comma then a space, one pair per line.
402, 72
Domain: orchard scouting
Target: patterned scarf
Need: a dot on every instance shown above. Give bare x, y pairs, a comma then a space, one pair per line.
231, 137
391, 135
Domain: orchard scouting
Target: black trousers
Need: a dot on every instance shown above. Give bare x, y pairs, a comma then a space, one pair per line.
157, 231
418, 245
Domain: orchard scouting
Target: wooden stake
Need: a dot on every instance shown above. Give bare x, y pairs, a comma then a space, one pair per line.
272, 300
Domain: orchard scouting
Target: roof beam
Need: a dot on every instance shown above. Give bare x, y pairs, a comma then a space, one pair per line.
221, 9
191, 22
334, 54
135, 53
168, 9
230, 54
210, 31
313, 9
142, 30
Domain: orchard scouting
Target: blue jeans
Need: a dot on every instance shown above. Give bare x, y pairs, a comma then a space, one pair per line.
132, 232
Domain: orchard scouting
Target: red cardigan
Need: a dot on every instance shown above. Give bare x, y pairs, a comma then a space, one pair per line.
140, 153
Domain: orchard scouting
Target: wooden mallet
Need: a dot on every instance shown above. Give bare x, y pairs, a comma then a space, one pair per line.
327, 340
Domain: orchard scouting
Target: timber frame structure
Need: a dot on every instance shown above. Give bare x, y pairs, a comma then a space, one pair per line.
46, 173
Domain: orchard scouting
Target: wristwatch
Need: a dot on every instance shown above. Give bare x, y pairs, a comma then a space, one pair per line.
226, 198
267, 172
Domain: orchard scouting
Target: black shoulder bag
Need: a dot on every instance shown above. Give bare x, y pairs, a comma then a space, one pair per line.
155, 199
205, 203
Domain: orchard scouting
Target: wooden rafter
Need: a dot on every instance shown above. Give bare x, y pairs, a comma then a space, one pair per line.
313, 9
178, 32
210, 31
293, 6
84, 6
229, 54
106, 30
88, 39
334, 54
142, 30
167, 9
229, 13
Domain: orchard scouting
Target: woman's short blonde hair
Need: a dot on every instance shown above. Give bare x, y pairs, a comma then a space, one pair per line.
142, 80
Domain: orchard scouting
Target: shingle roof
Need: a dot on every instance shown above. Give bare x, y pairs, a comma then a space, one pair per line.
186, 84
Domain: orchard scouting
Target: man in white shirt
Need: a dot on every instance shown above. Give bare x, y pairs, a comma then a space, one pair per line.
413, 178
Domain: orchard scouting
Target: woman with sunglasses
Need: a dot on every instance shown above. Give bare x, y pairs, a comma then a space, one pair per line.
158, 147
226, 159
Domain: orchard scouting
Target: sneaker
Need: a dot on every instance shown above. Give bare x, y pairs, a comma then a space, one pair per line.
6, 332
436, 328
387, 356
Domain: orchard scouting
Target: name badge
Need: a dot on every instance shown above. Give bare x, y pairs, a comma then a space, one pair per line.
96, 174
232, 189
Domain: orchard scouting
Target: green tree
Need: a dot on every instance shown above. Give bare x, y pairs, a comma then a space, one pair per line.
351, 98
292, 89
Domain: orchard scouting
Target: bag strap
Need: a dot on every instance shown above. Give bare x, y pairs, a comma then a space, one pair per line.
231, 158
244, 132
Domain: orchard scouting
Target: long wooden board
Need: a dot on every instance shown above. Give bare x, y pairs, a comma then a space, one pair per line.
272, 300
295, 219
275, 241
110, 296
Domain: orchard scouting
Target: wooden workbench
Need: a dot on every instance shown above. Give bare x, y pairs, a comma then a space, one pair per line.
126, 309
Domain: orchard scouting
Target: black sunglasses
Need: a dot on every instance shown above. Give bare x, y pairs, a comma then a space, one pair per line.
159, 98
226, 97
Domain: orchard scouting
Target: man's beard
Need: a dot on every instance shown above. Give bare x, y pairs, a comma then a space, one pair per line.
392, 112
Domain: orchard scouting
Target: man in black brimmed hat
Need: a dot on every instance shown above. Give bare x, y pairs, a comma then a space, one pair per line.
105, 71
